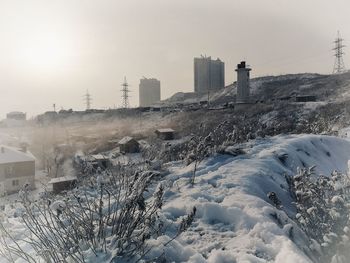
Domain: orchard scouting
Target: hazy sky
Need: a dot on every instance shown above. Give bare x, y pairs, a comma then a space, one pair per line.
52, 51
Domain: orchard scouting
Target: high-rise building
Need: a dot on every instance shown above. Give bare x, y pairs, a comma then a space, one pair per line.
209, 75
243, 79
149, 91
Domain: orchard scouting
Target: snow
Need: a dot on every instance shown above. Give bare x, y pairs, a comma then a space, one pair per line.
62, 179
125, 140
13, 155
165, 130
235, 220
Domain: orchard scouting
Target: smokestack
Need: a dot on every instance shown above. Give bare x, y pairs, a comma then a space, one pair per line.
2, 149
24, 148
243, 89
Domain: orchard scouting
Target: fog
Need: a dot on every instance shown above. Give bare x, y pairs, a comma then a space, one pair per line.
52, 51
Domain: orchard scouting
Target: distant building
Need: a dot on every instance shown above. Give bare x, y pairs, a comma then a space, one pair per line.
149, 92
243, 79
209, 75
165, 134
129, 145
64, 183
17, 168
98, 161
16, 115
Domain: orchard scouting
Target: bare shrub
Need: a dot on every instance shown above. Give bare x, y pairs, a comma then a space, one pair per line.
111, 213
322, 210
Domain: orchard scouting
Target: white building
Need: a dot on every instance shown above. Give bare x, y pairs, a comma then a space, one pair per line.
243, 79
149, 92
17, 167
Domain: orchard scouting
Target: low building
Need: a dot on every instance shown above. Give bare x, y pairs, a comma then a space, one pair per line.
16, 115
129, 145
98, 161
17, 168
165, 134
64, 183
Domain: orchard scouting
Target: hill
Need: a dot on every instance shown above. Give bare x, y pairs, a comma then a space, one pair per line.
325, 87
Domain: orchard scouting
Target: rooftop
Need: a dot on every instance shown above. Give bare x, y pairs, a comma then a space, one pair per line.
62, 179
164, 130
14, 155
126, 140
96, 157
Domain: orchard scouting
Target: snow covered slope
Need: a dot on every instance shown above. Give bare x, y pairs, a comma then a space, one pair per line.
235, 220
325, 87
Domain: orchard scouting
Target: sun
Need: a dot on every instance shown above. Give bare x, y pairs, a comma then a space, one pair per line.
44, 52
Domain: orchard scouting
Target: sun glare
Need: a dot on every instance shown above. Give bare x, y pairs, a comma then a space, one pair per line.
44, 52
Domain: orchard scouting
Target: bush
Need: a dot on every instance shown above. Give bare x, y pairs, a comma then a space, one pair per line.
322, 210
111, 214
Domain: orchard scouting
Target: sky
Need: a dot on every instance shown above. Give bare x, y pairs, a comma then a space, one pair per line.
53, 51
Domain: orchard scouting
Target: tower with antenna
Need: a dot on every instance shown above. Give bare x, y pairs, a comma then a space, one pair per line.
125, 94
87, 99
339, 66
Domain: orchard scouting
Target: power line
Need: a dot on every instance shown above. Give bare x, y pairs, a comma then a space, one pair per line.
125, 94
339, 66
87, 99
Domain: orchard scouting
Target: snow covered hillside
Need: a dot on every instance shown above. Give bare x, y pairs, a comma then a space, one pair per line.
325, 87
236, 221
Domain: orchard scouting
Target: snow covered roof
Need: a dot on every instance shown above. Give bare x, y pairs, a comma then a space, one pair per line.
13, 155
62, 179
98, 157
164, 130
126, 140
15, 113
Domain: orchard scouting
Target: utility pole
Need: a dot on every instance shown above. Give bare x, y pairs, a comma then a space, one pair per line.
125, 94
87, 99
339, 66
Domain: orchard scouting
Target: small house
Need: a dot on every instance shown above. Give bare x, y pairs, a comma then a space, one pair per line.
129, 145
165, 134
17, 168
98, 161
64, 183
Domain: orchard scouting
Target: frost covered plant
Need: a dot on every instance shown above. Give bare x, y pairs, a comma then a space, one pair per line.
110, 215
204, 144
200, 148
322, 209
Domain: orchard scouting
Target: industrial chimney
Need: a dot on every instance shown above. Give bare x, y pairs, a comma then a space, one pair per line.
243, 75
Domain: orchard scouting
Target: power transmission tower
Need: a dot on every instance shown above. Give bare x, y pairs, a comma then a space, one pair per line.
125, 94
87, 99
339, 66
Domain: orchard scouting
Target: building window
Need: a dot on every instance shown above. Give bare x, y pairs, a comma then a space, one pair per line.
9, 171
15, 182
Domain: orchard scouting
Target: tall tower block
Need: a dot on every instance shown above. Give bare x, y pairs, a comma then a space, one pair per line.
149, 92
209, 75
243, 89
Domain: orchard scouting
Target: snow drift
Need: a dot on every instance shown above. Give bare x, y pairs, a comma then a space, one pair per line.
236, 222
